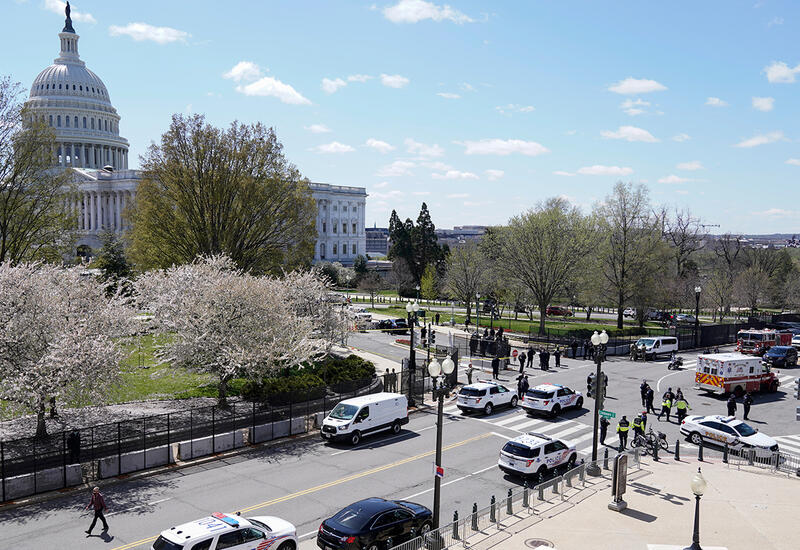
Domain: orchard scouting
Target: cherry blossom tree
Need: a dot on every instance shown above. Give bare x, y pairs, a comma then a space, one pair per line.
60, 336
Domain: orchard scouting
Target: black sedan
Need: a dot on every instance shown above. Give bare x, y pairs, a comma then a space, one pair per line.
781, 356
374, 524
393, 326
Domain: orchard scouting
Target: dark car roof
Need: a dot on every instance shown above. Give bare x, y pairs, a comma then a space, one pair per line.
781, 348
366, 508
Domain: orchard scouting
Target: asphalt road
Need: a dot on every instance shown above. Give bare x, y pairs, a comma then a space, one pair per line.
307, 480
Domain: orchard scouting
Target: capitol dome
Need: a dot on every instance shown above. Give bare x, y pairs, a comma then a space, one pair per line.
75, 103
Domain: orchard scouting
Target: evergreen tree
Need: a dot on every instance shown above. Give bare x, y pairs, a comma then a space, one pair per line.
416, 244
111, 260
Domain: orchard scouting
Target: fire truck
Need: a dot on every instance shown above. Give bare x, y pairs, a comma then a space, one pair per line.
757, 342
734, 373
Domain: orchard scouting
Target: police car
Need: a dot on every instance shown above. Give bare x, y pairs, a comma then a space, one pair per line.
550, 399
727, 429
485, 396
229, 531
534, 454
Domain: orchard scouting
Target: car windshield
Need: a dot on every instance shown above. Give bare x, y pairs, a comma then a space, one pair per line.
777, 351
518, 450
744, 430
343, 411
750, 337
645, 342
259, 524
471, 392
540, 394
353, 517
163, 544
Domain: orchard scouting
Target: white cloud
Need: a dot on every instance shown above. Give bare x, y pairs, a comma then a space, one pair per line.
634, 107
317, 129
681, 137
330, 86
458, 196
423, 150
381, 185
359, 77
396, 169
631, 86
630, 133
691, 165
393, 194
58, 6
243, 70
514, 108
467, 87
775, 21
563, 173
414, 11
142, 31
716, 102
776, 213
503, 147
493, 175
455, 175
779, 72
793, 162
438, 166
394, 80
600, 170
334, 147
672, 178
421, 193
448, 95
761, 139
268, 86
763, 103
378, 145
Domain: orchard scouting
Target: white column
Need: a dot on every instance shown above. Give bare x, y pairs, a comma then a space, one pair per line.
85, 212
97, 219
116, 212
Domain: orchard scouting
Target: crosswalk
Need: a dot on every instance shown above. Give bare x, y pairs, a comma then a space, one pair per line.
517, 420
787, 381
788, 443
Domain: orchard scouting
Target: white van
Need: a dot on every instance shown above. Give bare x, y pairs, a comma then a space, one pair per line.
354, 418
658, 345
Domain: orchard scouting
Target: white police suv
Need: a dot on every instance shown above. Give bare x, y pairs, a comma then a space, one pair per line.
550, 399
485, 396
229, 531
534, 454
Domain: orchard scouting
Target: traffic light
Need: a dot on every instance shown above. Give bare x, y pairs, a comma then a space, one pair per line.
433, 337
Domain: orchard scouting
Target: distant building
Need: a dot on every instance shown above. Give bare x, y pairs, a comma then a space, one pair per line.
377, 241
340, 223
460, 235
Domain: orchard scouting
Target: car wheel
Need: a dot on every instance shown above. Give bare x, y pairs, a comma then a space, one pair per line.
579, 403
513, 401
373, 547
556, 410
487, 410
425, 529
288, 545
355, 438
396, 427
696, 438
773, 387
571, 462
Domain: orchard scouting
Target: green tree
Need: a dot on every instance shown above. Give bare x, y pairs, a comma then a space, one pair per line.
111, 260
416, 244
360, 266
428, 286
208, 190
34, 220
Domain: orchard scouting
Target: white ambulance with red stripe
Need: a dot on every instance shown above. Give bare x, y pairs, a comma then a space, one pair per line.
734, 373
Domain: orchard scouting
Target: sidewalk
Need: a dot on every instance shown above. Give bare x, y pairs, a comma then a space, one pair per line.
740, 510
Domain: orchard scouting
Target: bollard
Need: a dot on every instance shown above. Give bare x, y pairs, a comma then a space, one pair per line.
678, 449
555, 486
455, 525
655, 450
700, 451
509, 509
541, 491
474, 516
750, 454
725, 453
605, 459
525, 502
492, 511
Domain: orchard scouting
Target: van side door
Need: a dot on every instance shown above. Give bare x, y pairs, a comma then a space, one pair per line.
363, 420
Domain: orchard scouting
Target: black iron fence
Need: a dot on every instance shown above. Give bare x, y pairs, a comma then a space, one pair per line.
32, 465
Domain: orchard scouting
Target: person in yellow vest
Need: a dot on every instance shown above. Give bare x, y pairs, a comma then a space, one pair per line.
638, 426
666, 406
682, 408
622, 431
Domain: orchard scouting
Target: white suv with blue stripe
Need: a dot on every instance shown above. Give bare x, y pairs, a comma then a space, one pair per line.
229, 531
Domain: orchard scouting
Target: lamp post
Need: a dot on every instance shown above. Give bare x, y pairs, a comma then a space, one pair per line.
411, 309
439, 391
698, 488
417, 289
697, 290
478, 310
599, 342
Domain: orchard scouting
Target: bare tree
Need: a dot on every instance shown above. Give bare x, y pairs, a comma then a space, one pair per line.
719, 289
372, 283
751, 287
466, 273
686, 235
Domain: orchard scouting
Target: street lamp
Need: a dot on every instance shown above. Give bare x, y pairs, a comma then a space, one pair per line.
411, 309
417, 288
698, 488
478, 310
439, 391
599, 342
697, 290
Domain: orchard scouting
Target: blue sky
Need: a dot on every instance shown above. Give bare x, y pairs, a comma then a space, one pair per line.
481, 109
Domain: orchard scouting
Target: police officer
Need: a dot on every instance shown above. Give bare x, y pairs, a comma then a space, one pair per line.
495, 367
638, 426
557, 355
748, 402
649, 400
643, 387
622, 430
732, 405
604, 423
644, 420
682, 407
666, 405
521, 357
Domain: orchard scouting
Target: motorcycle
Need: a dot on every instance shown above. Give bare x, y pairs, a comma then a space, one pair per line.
675, 364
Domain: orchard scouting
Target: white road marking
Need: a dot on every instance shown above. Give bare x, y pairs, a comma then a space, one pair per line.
581, 438
511, 418
501, 435
658, 384
562, 434
525, 425
462, 478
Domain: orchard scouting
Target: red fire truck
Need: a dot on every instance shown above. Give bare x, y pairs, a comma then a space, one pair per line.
733, 373
757, 342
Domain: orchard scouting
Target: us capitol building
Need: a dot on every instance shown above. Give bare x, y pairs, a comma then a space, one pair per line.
75, 103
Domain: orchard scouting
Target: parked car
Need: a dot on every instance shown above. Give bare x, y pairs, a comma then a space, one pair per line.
629, 312
781, 356
534, 454
229, 531
685, 318
374, 524
393, 326
558, 311
720, 429
660, 316
486, 397
550, 399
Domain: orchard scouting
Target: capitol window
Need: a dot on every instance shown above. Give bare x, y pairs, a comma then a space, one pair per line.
334, 250
51, 120
344, 227
76, 122
92, 124
354, 228
58, 121
354, 250
324, 227
84, 122
67, 121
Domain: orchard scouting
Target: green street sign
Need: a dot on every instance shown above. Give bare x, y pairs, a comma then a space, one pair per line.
608, 414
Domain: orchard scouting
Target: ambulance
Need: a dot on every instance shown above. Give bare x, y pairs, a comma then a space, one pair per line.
734, 373
757, 342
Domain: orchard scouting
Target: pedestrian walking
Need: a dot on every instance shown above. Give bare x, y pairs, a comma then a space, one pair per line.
98, 503
74, 446
732, 405
747, 403
525, 386
604, 423
470, 370
546, 359
681, 408
473, 343
531, 357
649, 400
557, 355
495, 367
622, 431
521, 357
666, 406
643, 391
574, 346
436, 317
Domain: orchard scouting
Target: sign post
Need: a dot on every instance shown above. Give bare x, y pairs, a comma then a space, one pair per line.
619, 482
